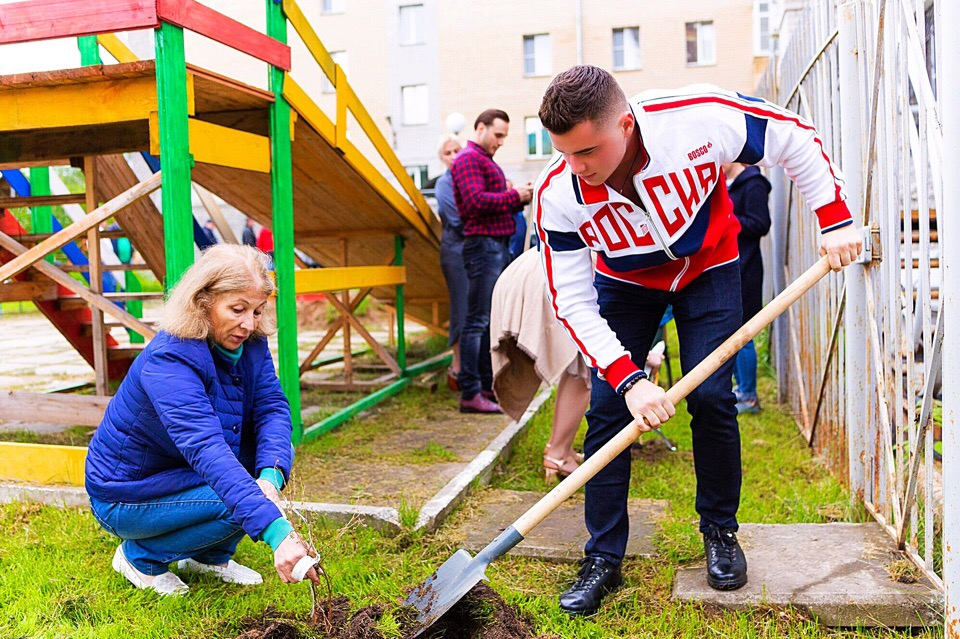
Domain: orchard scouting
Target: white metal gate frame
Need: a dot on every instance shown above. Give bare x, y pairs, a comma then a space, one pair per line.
858, 70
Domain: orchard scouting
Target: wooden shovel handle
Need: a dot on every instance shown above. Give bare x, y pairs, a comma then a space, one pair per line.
529, 520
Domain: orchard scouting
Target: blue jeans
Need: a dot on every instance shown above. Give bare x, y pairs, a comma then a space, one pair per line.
484, 258
156, 532
745, 370
707, 312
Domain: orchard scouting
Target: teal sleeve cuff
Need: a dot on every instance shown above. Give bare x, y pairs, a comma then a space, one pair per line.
276, 532
273, 476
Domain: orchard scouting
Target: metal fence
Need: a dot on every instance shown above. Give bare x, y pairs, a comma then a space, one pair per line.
859, 360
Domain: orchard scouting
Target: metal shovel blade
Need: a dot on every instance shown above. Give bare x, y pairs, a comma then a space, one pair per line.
445, 587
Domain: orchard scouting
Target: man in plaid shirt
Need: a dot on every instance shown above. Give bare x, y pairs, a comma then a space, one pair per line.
486, 209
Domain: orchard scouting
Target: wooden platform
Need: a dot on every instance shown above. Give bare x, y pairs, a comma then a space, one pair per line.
334, 202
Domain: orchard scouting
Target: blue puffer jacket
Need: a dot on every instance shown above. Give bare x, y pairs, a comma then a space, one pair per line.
184, 417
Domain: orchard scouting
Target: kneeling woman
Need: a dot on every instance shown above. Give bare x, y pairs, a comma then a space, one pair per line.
195, 446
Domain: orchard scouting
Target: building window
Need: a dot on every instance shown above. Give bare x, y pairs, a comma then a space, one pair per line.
333, 6
536, 55
764, 15
416, 104
701, 44
626, 49
411, 24
538, 140
339, 57
418, 173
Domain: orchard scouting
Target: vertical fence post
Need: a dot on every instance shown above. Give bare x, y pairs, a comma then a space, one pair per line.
948, 85
175, 159
856, 381
281, 183
401, 337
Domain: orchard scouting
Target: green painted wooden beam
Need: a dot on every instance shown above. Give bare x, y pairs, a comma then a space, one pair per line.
331, 422
41, 217
175, 159
89, 50
429, 365
281, 183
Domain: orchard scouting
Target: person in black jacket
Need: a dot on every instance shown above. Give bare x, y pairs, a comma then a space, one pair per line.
749, 191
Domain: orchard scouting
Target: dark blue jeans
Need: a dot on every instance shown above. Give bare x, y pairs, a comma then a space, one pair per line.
707, 312
484, 258
745, 370
156, 532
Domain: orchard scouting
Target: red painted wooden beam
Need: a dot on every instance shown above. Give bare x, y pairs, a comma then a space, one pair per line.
45, 19
201, 19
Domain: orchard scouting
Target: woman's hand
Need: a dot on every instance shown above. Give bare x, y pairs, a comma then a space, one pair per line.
271, 492
286, 556
649, 405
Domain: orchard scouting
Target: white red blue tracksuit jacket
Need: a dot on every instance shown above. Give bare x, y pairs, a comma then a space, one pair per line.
688, 226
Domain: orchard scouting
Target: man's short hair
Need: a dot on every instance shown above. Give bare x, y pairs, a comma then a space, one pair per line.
488, 116
581, 93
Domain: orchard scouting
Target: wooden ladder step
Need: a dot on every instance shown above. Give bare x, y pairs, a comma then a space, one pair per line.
69, 303
85, 268
125, 352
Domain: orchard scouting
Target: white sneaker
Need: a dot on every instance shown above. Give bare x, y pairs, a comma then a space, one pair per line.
232, 573
165, 584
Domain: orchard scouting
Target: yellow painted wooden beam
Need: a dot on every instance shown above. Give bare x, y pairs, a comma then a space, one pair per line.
220, 145
116, 48
310, 38
308, 109
215, 144
317, 280
383, 147
371, 174
83, 104
42, 463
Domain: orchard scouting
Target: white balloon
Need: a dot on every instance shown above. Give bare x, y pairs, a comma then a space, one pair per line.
455, 122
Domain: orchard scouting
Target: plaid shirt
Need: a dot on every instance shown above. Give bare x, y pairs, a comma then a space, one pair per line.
486, 206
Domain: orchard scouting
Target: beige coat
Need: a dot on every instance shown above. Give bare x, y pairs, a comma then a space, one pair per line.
528, 345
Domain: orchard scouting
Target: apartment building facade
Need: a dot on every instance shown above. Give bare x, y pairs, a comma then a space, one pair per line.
414, 63
444, 57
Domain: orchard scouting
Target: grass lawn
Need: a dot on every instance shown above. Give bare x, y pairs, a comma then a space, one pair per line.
56, 580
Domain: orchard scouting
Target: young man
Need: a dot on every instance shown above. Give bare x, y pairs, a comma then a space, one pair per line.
486, 209
638, 183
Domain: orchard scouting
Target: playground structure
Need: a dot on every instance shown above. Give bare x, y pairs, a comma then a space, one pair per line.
274, 155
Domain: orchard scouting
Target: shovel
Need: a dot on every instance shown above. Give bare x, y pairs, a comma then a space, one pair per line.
461, 572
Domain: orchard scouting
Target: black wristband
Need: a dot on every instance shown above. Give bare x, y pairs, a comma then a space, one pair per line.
630, 382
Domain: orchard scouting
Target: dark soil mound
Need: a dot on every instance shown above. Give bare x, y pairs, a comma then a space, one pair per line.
481, 614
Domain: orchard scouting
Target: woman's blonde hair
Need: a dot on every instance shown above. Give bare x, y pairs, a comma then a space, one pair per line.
221, 270
447, 137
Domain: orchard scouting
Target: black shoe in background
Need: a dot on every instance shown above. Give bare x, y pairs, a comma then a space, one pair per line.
596, 578
726, 563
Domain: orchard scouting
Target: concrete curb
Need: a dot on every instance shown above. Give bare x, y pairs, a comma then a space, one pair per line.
382, 518
62, 496
479, 471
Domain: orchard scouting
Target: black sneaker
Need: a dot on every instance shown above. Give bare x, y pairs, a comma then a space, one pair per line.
596, 578
726, 564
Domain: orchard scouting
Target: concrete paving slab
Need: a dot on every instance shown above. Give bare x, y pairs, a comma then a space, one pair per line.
561, 536
835, 572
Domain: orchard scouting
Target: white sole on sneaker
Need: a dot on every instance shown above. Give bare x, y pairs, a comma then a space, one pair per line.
165, 584
232, 573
